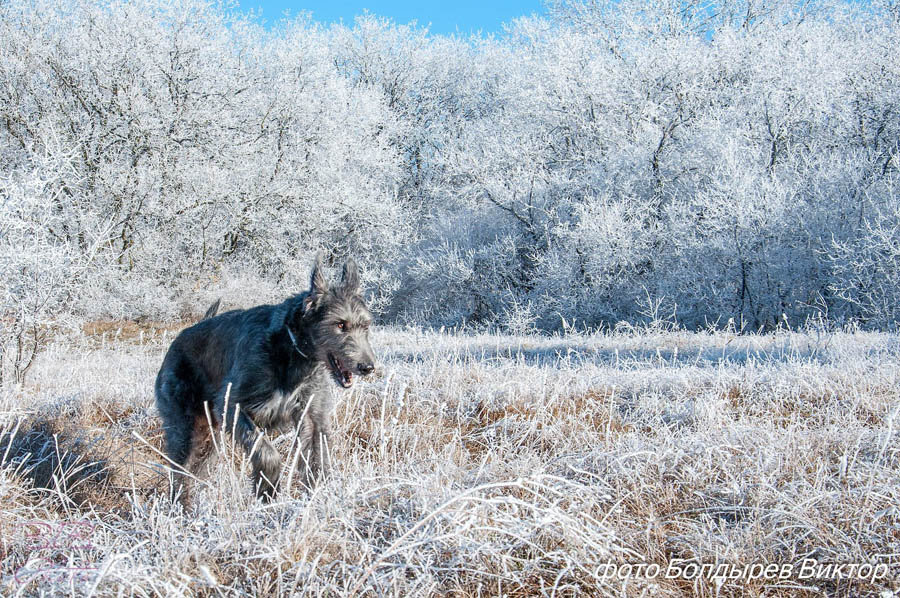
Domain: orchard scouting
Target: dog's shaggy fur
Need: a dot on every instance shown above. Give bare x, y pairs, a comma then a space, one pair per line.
282, 362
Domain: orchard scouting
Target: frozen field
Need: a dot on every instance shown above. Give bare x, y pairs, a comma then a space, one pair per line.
480, 466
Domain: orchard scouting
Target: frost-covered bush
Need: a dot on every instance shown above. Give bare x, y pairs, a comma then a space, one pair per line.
867, 270
41, 270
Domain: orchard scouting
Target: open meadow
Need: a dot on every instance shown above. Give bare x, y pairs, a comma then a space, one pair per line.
671, 174
635, 463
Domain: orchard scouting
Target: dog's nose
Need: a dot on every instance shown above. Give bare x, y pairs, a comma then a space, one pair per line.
366, 368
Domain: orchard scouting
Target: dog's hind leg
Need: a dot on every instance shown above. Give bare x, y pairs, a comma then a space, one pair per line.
173, 399
179, 443
179, 434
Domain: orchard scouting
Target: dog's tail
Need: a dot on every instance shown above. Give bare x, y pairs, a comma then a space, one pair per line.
213, 309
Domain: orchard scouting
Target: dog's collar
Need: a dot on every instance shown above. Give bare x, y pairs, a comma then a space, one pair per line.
294, 342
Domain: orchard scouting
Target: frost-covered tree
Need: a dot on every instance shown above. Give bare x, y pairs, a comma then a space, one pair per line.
734, 160
41, 269
704, 154
204, 142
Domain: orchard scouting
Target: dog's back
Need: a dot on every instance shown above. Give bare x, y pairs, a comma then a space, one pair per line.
201, 356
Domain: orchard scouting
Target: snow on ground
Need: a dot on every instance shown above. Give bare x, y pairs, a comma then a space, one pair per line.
637, 463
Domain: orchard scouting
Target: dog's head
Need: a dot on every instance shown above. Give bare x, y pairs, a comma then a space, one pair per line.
338, 322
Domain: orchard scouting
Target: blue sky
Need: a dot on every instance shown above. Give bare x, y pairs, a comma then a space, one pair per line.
465, 16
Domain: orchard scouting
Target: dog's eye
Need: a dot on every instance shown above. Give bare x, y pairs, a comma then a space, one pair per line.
342, 325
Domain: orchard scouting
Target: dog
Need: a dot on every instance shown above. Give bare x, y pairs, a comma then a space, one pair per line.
281, 362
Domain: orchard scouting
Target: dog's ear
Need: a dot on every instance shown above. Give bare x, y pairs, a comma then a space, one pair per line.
350, 278
317, 283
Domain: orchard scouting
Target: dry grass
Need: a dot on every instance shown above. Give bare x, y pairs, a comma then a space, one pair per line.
475, 466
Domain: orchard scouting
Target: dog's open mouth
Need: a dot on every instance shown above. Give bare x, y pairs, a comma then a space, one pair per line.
342, 374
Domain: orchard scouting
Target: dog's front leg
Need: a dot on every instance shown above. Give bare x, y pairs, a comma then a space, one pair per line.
315, 447
264, 458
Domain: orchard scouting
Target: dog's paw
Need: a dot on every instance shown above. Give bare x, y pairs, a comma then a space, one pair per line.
265, 490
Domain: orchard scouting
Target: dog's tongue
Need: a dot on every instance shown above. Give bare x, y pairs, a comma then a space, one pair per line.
345, 375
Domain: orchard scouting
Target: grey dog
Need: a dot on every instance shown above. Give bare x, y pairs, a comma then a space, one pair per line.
281, 362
